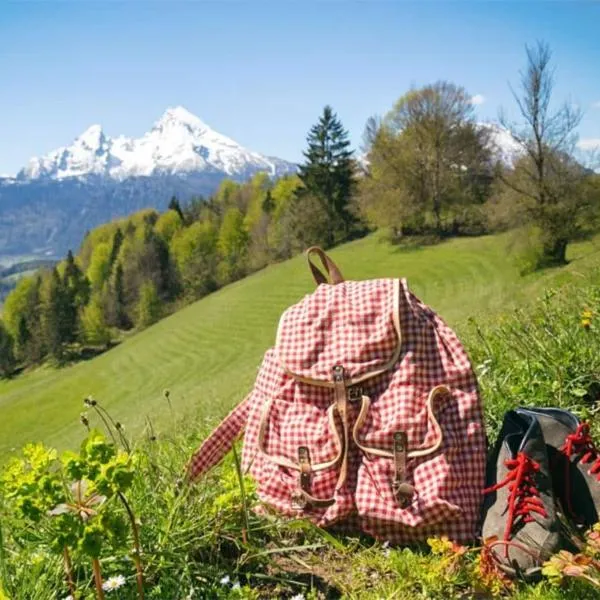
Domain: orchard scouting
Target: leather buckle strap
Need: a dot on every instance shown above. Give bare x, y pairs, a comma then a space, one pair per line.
403, 491
301, 497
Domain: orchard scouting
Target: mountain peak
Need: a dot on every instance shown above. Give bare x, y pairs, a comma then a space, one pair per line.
93, 137
179, 143
178, 115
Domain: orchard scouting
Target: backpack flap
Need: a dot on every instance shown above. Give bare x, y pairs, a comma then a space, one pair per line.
354, 324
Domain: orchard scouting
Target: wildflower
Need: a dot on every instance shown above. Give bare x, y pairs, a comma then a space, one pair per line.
298, 597
69, 597
82, 504
84, 420
225, 580
190, 595
113, 583
586, 318
236, 586
89, 401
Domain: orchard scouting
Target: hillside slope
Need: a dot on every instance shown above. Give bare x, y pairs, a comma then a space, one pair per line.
207, 353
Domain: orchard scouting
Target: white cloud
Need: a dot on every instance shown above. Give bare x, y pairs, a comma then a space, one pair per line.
477, 99
589, 144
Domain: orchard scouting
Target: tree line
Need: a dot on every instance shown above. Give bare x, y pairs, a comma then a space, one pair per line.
131, 272
429, 169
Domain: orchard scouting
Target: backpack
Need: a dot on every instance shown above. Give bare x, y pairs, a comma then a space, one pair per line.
365, 414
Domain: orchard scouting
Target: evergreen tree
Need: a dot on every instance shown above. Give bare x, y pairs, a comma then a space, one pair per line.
77, 290
55, 315
116, 246
114, 302
329, 172
268, 205
7, 357
174, 205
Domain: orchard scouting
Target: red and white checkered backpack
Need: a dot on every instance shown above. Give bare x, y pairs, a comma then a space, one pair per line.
365, 414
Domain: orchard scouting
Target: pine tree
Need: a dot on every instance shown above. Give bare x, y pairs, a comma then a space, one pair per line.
77, 290
55, 315
268, 205
7, 356
116, 246
329, 172
174, 205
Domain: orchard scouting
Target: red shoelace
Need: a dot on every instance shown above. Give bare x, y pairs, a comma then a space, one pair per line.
524, 498
580, 445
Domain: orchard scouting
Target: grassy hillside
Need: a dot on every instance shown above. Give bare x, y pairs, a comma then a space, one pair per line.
207, 353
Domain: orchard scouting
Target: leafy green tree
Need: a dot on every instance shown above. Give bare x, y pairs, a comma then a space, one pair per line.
7, 356
168, 224
194, 250
94, 328
233, 245
100, 264
427, 161
22, 320
328, 173
149, 306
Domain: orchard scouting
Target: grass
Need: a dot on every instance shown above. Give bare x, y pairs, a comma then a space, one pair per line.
207, 353
529, 346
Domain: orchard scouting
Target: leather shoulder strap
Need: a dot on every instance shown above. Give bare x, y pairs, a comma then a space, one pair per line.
332, 273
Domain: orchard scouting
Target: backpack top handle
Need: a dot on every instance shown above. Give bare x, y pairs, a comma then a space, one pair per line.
331, 274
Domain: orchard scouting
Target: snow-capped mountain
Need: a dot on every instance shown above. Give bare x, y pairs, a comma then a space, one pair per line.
504, 146
50, 203
179, 142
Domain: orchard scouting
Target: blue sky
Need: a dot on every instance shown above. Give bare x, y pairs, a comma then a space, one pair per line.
261, 72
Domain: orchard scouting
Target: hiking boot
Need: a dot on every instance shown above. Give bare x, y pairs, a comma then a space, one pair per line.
575, 463
520, 527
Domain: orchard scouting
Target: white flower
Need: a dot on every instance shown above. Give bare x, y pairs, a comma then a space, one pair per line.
190, 594
113, 583
69, 597
236, 586
225, 580
298, 597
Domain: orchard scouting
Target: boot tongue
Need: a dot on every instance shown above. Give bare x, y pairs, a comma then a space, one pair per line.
533, 444
527, 439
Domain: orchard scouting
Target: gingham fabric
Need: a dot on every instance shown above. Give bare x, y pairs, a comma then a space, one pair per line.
398, 350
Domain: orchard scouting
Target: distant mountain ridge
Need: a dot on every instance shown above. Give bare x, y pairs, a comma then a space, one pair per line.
50, 203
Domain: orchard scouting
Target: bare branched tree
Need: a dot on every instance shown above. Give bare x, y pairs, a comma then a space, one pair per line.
545, 184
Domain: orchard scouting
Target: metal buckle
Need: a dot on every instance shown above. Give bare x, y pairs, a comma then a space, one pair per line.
299, 502
355, 393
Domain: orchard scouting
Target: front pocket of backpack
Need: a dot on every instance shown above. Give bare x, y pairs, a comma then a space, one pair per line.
429, 468
286, 430
433, 483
